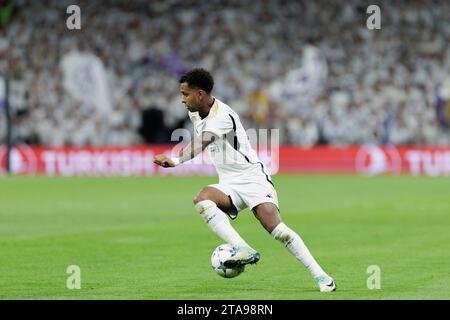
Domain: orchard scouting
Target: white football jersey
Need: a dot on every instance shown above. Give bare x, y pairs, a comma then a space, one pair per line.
232, 154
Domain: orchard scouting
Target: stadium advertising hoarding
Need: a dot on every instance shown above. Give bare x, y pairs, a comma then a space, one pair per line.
132, 161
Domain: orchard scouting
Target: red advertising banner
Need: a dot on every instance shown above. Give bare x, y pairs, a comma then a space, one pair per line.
367, 160
130, 161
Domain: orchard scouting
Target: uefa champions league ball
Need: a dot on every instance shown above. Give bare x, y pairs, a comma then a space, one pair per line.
221, 254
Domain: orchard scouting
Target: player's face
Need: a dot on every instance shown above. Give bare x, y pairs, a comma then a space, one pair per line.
190, 97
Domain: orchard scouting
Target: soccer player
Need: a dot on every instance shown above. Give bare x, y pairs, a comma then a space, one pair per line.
243, 178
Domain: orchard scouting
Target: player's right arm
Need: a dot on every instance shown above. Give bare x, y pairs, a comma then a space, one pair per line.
196, 146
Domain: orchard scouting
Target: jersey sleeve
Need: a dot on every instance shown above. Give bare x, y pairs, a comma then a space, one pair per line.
219, 125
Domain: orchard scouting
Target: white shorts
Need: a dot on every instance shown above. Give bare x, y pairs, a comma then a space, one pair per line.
248, 194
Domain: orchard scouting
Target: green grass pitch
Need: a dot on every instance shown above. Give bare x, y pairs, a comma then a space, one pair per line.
140, 238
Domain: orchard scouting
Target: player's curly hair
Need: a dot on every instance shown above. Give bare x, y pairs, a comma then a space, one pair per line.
198, 78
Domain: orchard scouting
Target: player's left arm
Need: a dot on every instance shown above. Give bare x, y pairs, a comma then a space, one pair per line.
196, 146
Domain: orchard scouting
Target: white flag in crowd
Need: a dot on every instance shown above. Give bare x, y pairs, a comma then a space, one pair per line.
303, 84
85, 78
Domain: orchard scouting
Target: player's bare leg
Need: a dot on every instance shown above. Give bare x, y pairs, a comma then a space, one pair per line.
211, 203
218, 197
269, 217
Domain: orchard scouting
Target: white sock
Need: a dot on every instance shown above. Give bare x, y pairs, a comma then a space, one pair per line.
218, 221
296, 246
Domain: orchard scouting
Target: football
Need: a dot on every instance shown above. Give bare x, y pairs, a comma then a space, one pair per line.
221, 254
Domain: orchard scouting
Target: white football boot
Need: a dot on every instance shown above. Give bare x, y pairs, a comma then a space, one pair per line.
242, 256
326, 283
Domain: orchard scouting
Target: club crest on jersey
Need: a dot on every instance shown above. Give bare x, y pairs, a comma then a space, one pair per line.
213, 147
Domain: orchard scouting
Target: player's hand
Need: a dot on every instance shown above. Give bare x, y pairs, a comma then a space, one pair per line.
163, 161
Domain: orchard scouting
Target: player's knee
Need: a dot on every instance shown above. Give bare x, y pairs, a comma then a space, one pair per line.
198, 198
202, 196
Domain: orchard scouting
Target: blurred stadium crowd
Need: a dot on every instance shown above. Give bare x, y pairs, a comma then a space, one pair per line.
375, 86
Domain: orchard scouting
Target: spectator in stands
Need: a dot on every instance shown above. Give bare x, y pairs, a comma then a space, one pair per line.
380, 87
